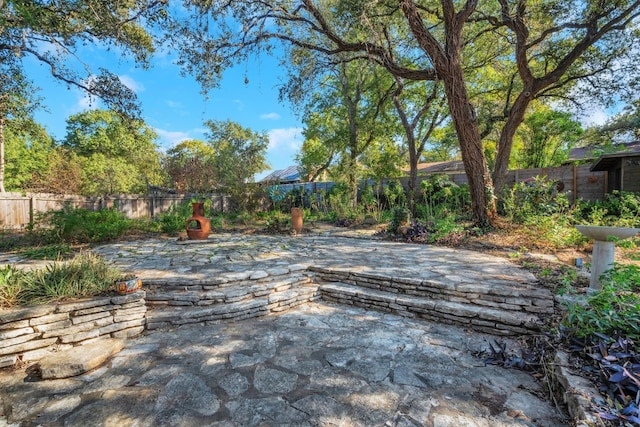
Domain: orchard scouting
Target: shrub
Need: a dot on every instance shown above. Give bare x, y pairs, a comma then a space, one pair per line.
442, 198
532, 198
10, 286
77, 225
612, 311
620, 209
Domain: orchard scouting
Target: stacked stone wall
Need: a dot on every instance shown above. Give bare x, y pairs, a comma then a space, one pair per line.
497, 307
233, 296
32, 332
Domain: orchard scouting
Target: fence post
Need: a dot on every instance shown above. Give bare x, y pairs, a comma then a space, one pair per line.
32, 204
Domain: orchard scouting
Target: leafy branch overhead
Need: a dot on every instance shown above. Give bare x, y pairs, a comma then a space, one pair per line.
54, 33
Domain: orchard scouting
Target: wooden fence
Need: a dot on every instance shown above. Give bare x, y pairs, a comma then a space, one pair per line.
18, 210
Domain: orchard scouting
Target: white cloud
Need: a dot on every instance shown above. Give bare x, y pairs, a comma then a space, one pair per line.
131, 83
270, 116
597, 117
174, 104
290, 138
239, 104
86, 102
169, 138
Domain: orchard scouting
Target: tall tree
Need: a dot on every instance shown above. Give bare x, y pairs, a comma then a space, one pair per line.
28, 147
238, 154
355, 94
421, 110
554, 43
545, 139
190, 164
17, 101
119, 155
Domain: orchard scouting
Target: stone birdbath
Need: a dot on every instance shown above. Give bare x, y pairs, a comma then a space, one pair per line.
603, 248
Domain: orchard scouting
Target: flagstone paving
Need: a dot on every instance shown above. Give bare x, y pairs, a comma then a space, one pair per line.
319, 364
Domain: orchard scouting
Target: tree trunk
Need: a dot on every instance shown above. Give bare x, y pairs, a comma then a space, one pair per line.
503, 154
2, 154
446, 60
480, 184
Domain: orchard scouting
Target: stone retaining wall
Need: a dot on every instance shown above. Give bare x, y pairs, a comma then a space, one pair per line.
493, 307
497, 307
233, 296
32, 332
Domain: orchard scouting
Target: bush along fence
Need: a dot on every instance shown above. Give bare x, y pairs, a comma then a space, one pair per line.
30, 333
18, 210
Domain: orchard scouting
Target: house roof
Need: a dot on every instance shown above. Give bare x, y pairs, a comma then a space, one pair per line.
289, 174
607, 161
591, 153
437, 167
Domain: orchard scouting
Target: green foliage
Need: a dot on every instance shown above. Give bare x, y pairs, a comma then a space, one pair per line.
400, 216
10, 286
443, 197
86, 275
238, 154
612, 311
77, 225
544, 139
127, 28
27, 148
54, 251
116, 155
394, 194
339, 202
619, 209
190, 165
175, 218
531, 198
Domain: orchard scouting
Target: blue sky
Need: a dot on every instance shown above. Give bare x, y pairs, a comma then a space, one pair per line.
175, 108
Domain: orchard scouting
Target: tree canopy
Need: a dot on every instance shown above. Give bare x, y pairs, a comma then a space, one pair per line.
117, 155
546, 48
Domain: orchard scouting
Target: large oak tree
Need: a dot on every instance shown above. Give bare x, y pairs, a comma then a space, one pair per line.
552, 44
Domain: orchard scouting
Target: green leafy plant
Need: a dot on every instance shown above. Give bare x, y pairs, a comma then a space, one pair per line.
85, 275
10, 286
620, 209
77, 225
49, 252
532, 198
612, 311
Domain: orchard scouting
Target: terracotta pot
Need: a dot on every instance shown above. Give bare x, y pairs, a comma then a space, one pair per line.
198, 227
296, 219
128, 286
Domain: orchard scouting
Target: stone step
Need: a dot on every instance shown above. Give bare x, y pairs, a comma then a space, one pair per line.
478, 317
162, 316
494, 291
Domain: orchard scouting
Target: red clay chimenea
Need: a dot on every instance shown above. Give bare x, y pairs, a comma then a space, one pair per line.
198, 227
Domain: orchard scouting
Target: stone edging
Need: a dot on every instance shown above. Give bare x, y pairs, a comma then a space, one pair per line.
33, 332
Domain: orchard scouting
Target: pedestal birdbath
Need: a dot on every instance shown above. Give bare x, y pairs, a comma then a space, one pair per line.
603, 248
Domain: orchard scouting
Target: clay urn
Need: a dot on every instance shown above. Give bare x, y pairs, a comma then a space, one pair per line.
296, 219
198, 226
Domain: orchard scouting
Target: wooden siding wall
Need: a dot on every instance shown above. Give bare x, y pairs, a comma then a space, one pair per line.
631, 178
